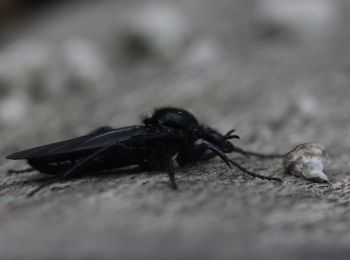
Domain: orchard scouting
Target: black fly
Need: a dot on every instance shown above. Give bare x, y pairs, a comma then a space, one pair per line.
168, 133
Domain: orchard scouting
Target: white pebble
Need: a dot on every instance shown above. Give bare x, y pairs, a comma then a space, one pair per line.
307, 160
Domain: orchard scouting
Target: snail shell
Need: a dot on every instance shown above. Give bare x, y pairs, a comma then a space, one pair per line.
307, 160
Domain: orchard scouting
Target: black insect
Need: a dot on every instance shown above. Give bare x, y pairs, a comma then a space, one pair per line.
168, 133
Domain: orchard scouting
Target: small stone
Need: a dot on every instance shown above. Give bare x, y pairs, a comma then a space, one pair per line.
307, 160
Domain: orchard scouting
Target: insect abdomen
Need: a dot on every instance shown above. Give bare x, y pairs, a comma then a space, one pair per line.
54, 167
106, 161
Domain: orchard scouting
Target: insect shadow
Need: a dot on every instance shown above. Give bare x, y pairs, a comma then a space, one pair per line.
40, 180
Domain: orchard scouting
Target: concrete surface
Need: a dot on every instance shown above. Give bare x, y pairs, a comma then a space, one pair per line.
276, 92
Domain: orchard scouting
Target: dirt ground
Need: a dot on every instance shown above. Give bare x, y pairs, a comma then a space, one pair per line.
276, 90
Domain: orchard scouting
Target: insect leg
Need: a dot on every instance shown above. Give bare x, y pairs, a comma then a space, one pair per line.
200, 152
171, 173
73, 171
218, 152
84, 163
194, 154
21, 171
253, 174
243, 169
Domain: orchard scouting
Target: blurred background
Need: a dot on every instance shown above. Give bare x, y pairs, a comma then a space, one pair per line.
277, 70
67, 66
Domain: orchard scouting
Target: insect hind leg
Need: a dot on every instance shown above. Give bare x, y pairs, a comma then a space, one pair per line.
72, 172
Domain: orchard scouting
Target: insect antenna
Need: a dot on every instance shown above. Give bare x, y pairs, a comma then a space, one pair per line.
259, 155
229, 135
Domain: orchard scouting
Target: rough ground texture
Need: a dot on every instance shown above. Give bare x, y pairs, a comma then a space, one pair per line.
278, 92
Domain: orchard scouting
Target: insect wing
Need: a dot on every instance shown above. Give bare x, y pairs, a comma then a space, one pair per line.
96, 140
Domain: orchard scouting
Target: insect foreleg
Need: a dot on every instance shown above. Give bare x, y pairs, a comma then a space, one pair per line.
218, 152
228, 161
253, 174
194, 154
